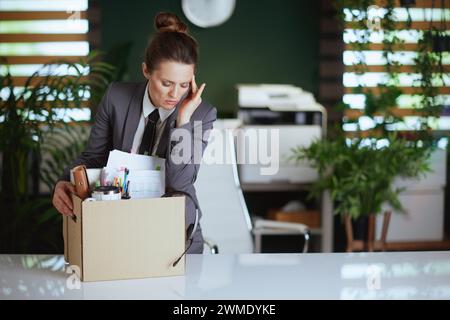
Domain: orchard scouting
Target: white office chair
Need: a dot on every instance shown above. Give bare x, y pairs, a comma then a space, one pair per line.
226, 223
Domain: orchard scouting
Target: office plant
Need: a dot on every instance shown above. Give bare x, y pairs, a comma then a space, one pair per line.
29, 115
359, 174
359, 167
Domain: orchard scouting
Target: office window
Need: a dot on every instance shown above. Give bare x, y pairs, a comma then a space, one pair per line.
423, 15
36, 32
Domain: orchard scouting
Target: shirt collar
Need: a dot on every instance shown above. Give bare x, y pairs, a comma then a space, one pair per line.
148, 107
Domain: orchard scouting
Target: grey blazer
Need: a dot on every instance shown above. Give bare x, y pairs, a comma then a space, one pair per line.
116, 123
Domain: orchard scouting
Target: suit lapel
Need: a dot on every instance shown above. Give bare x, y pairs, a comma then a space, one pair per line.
133, 117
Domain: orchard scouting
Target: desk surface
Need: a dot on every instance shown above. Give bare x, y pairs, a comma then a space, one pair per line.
393, 275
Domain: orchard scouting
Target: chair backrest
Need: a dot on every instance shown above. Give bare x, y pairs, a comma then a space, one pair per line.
225, 219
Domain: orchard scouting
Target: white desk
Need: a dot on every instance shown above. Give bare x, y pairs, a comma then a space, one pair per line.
410, 275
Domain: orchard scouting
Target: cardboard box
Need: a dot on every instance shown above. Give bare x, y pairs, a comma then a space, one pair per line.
124, 239
310, 218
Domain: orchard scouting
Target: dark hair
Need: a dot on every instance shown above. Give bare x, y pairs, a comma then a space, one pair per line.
171, 42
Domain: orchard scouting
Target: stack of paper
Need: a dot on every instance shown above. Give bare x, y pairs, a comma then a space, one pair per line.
146, 173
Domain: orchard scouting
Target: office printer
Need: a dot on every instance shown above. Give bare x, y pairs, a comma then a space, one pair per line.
296, 116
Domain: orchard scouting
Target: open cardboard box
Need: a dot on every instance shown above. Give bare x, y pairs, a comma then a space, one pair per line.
124, 239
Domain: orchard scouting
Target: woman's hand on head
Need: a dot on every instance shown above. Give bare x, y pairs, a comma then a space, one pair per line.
190, 104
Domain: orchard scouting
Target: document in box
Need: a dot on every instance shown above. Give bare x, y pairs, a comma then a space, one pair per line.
118, 159
146, 173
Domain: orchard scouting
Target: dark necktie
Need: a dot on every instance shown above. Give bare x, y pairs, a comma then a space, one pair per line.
148, 139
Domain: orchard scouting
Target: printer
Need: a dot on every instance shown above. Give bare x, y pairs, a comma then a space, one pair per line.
278, 118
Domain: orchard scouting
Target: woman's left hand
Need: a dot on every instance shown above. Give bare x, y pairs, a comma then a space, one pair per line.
190, 104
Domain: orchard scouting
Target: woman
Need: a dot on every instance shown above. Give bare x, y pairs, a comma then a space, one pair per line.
150, 117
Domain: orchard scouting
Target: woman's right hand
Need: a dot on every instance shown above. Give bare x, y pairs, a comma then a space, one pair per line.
62, 200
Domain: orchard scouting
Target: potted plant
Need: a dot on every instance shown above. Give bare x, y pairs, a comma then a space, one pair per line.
359, 174
359, 167
29, 115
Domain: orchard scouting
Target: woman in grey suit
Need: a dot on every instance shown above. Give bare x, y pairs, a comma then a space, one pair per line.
163, 116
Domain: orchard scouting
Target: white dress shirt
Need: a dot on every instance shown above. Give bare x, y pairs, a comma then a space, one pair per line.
147, 108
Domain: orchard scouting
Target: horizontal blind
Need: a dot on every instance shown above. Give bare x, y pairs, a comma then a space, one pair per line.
36, 32
424, 14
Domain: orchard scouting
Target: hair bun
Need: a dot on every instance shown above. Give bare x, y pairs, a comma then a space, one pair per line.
169, 22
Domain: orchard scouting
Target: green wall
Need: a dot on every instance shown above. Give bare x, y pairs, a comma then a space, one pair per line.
265, 41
